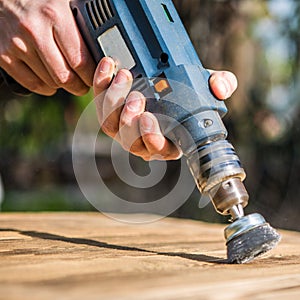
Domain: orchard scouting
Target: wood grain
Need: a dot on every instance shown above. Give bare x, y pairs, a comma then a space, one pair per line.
89, 256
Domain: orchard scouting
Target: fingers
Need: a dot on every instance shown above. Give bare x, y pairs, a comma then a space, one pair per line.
223, 84
129, 133
113, 102
62, 50
121, 114
102, 79
44, 41
22, 62
157, 145
29, 57
58, 68
74, 49
140, 132
103, 75
27, 78
110, 98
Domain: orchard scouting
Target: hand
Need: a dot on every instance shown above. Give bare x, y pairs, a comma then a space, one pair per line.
41, 47
136, 130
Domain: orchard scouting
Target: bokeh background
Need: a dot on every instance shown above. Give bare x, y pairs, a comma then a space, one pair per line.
258, 40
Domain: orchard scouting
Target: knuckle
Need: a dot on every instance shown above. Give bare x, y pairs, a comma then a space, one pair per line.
78, 61
150, 138
125, 120
50, 12
101, 84
137, 147
36, 86
40, 87
109, 128
32, 27
63, 77
68, 80
133, 144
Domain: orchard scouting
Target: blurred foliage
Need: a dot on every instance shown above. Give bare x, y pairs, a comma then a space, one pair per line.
32, 126
259, 40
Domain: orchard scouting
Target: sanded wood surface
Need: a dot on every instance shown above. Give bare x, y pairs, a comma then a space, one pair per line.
89, 256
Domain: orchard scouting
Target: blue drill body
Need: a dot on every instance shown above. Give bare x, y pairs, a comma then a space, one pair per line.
156, 46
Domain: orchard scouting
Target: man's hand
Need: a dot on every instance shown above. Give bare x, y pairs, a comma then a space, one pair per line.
122, 115
41, 47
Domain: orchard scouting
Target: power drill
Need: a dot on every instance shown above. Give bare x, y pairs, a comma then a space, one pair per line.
148, 38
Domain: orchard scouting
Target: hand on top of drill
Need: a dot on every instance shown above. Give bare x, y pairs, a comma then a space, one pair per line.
122, 115
41, 47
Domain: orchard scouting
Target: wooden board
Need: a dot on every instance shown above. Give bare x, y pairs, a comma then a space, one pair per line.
89, 256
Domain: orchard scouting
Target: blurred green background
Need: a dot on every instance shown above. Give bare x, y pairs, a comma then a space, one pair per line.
258, 40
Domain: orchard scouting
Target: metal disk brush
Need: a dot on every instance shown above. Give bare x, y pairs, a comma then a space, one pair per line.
248, 237
219, 174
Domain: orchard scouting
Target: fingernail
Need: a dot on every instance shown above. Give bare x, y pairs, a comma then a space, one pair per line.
147, 124
223, 87
121, 78
134, 105
105, 66
134, 102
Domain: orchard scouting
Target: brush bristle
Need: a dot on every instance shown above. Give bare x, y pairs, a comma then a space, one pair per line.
251, 244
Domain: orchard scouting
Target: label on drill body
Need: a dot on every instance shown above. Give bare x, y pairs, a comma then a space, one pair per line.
113, 44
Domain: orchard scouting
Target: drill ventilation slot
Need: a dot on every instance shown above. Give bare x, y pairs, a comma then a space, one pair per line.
99, 12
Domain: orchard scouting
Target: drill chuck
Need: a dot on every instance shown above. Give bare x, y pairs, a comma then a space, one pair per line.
217, 171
